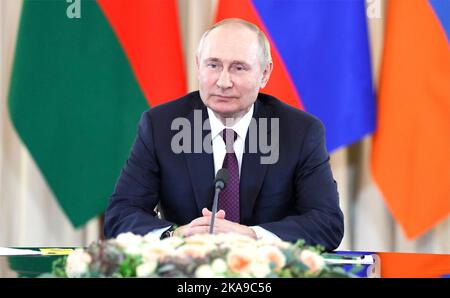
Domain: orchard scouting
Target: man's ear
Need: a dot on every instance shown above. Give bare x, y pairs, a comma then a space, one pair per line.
266, 74
197, 65
197, 62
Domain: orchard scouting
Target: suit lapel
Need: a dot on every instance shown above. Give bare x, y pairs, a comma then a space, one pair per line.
200, 165
252, 171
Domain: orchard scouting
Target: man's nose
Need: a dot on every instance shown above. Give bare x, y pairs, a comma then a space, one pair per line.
224, 80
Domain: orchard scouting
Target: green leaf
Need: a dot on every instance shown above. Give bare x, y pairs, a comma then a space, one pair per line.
59, 267
128, 266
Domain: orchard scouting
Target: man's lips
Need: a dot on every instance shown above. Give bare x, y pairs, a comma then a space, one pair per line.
223, 97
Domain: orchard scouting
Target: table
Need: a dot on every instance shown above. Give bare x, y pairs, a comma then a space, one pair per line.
388, 264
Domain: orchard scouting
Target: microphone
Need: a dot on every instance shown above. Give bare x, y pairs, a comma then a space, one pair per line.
220, 182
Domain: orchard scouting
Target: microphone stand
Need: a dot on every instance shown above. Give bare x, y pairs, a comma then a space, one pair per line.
214, 207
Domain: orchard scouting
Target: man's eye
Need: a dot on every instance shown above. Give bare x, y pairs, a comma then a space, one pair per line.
212, 65
239, 68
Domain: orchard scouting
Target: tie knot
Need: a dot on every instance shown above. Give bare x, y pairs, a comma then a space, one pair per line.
229, 136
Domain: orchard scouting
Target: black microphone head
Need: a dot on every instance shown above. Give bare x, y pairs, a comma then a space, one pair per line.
221, 178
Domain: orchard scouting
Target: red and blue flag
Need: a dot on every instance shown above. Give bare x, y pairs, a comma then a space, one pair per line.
321, 60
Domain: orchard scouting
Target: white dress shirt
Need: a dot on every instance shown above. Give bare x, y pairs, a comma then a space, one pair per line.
218, 144
219, 151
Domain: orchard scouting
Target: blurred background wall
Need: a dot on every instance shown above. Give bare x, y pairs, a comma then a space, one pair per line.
30, 215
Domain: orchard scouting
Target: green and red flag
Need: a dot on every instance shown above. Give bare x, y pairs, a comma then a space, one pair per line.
79, 86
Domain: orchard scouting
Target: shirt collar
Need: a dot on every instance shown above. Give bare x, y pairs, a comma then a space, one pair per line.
240, 127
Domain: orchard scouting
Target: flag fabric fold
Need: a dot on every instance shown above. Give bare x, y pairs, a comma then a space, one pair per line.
321, 60
410, 156
79, 86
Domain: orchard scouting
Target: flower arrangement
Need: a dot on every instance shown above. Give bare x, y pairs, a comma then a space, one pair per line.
205, 255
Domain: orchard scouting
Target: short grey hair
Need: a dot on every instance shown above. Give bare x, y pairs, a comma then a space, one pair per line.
266, 57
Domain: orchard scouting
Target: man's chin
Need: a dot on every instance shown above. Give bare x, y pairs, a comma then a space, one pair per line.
223, 110
225, 115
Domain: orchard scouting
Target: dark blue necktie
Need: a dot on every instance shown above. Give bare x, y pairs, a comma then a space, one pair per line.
229, 196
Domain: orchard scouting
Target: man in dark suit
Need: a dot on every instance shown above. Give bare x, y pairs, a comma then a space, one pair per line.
285, 192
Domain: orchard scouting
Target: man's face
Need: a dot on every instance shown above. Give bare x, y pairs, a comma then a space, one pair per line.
229, 70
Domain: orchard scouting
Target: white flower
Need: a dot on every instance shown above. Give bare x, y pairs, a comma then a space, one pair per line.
130, 243
277, 242
193, 250
200, 239
313, 260
259, 270
156, 250
146, 269
204, 271
173, 242
78, 263
219, 266
234, 239
241, 239
128, 238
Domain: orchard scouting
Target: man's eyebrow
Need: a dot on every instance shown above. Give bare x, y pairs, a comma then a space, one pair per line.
240, 62
214, 59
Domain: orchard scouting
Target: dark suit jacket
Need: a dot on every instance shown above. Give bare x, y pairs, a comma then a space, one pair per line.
295, 198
